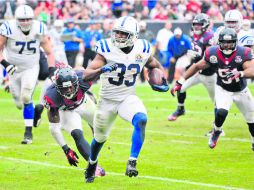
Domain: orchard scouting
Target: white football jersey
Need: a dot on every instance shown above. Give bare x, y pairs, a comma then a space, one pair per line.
23, 50
121, 83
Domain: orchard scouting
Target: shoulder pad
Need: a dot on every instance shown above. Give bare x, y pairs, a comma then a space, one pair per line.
5, 29
103, 46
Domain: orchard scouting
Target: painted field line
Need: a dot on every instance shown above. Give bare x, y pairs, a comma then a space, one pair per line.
155, 132
121, 174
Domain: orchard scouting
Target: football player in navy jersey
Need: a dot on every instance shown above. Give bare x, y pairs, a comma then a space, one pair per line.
233, 65
67, 102
202, 38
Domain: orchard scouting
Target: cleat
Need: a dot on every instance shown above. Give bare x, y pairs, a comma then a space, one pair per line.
28, 139
37, 114
223, 134
131, 168
252, 147
90, 172
99, 172
176, 114
214, 138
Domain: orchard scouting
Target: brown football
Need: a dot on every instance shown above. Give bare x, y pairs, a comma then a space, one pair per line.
155, 77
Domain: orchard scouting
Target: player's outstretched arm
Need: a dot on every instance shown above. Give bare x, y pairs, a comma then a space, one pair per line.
248, 67
97, 67
47, 46
189, 73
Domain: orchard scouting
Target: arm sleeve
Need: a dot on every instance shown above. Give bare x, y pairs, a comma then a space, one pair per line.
56, 132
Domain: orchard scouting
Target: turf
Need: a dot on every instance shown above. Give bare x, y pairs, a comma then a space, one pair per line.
175, 155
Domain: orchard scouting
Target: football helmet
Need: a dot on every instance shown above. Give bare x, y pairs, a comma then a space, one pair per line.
125, 32
233, 19
66, 81
228, 41
200, 23
24, 15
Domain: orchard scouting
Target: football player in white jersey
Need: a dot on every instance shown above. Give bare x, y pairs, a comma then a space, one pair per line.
21, 39
117, 94
233, 19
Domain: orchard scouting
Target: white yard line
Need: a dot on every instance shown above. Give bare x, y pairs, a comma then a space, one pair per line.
156, 132
121, 174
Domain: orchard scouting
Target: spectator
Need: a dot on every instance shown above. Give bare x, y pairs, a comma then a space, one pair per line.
178, 46
107, 27
90, 37
148, 35
72, 37
162, 39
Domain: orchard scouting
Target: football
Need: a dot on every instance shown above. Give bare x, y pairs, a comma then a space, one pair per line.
155, 76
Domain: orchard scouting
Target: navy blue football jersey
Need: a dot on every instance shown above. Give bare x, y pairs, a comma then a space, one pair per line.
200, 43
222, 64
52, 99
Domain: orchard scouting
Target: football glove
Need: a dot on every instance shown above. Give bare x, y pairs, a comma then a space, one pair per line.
109, 68
161, 88
177, 87
234, 74
71, 156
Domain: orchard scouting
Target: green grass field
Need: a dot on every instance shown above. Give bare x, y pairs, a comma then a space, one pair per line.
175, 155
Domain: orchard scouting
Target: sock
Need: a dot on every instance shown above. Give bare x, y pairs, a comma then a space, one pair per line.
217, 128
28, 130
95, 150
251, 129
181, 96
220, 117
81, 143
28, 114
138, 136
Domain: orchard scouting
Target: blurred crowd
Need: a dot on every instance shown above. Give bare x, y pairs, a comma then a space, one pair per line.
88, 10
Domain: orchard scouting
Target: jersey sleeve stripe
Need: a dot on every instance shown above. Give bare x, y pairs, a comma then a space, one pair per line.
246, 53
102, 46
40, 27
144, 43
243, 38
148, 50
106, 44
6, 28
9, 27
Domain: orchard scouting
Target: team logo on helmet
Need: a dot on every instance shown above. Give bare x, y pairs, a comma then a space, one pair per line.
213, 59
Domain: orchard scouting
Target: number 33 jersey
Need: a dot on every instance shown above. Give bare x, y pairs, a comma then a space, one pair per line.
23, 50
121, 83
223, 65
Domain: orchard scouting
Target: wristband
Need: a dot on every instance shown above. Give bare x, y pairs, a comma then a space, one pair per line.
5, 63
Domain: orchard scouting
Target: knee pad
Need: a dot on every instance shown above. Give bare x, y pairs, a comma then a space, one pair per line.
76, 134
26, 96
139, 120
100, 138
222, 113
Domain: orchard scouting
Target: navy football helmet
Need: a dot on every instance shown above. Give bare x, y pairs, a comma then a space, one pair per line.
200, 23
228, 41
66, 81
